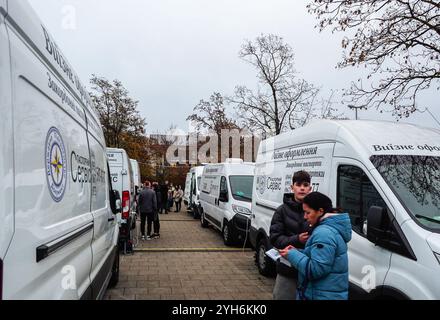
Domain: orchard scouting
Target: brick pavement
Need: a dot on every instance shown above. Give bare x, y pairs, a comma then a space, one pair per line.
159, 270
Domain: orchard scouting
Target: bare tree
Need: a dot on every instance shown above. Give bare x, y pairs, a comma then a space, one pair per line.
398, 40
211, 115
282, 101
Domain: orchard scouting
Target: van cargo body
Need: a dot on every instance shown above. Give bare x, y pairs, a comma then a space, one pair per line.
385, 171
58, 235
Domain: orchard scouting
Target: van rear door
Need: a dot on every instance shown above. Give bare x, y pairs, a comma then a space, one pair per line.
6, 148
104, 221
116, 167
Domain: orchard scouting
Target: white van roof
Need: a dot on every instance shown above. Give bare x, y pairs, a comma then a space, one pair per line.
365, 137
242, 169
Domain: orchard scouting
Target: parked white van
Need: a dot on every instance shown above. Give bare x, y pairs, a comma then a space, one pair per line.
194, 193
58, 232
187, 192
225, 198
386, 176
122, 180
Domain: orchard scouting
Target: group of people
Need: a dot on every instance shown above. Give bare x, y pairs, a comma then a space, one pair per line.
311, 236
155, 199
170, 196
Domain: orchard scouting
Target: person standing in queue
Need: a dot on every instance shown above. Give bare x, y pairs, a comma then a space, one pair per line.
148, 208
289, 227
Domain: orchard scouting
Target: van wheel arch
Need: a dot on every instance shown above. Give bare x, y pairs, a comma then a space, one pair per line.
388, 293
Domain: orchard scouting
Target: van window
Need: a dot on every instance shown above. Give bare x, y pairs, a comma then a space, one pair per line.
356, 195
241, 187
223, 185
415, 180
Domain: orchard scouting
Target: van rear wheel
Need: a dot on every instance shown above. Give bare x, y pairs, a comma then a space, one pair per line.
265, 265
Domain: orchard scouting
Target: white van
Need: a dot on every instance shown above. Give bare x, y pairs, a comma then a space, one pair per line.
386, 176
187, 192
194, 191
122, 180
58, 232
225, 198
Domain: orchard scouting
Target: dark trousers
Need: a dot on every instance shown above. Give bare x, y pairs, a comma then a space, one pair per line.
151, 219
164, 206
178, 206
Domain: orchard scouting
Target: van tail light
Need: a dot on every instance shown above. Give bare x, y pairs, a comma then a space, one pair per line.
1, 279
125, 205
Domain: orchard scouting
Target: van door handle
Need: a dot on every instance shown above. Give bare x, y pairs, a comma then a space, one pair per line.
111, 220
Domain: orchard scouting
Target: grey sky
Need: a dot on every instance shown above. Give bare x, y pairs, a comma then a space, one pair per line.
171, 53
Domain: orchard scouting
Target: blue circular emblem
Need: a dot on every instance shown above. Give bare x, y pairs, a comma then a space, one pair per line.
56, 164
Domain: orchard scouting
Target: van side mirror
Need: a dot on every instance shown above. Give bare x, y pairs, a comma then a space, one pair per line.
377, 225
115, 202
223, 196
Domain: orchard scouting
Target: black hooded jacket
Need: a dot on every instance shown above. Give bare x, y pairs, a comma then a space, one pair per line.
287, 224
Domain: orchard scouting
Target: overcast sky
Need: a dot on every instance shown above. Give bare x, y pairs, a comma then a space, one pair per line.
171, 53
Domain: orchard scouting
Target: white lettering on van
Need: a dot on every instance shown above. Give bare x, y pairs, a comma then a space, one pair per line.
369, 281
69, 19
69, 280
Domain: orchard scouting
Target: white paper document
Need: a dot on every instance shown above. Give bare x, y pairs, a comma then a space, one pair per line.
275, 255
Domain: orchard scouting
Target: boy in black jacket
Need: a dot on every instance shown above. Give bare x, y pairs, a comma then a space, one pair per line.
289, 227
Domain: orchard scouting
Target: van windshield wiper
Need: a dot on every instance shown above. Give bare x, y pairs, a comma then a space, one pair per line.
241, 196
427, 218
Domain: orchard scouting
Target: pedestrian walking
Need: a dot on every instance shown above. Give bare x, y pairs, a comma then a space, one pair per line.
323, 264
289, 227
148, 209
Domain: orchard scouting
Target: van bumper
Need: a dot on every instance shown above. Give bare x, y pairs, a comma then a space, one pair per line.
241, 224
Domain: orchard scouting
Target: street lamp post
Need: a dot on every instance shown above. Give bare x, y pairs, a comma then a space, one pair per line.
356, 108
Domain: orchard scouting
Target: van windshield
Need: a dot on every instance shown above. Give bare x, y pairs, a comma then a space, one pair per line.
241, 187
415, 180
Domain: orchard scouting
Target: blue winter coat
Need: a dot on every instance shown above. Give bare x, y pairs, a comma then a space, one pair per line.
323, 264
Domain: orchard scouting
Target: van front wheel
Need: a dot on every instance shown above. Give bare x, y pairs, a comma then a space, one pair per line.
265, 266
227, 233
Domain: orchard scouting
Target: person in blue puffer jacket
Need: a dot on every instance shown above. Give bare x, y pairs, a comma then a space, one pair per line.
323, 263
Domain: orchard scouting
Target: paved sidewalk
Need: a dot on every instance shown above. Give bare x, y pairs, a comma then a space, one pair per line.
189, 263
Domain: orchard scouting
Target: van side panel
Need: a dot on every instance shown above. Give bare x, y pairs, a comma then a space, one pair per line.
6, 136
51, 247
273, 177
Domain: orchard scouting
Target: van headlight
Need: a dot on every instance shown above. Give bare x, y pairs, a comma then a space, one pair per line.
437, 255
241, 210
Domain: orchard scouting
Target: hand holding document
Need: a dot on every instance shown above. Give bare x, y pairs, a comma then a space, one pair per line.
274, 254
